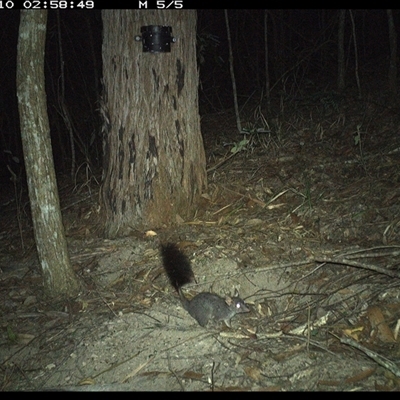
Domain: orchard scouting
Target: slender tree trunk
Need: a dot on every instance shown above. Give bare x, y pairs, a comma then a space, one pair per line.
59, 278
266, 62
154, 162
341, 65
356, 69
393, 54
231, 69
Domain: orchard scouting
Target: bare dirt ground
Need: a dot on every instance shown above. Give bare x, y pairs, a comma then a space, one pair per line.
303, 218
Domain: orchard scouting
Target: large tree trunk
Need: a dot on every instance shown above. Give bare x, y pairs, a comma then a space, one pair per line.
154, 162
59, 278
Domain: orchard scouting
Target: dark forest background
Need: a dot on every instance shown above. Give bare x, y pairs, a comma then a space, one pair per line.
302, 51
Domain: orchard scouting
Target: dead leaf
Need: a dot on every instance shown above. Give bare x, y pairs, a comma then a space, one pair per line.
354, 333
379, 325
253, 373
192, 375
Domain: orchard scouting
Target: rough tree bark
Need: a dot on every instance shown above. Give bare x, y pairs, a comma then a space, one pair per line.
59, 278
154, 162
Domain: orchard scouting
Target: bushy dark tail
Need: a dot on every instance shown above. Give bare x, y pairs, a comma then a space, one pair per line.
176, 265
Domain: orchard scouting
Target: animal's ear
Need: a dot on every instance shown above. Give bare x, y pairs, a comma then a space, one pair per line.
228, 300
236, 294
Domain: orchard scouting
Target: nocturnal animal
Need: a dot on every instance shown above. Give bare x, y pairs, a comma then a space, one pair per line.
205, 307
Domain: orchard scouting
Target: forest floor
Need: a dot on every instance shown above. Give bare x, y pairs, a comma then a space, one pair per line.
301, 215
